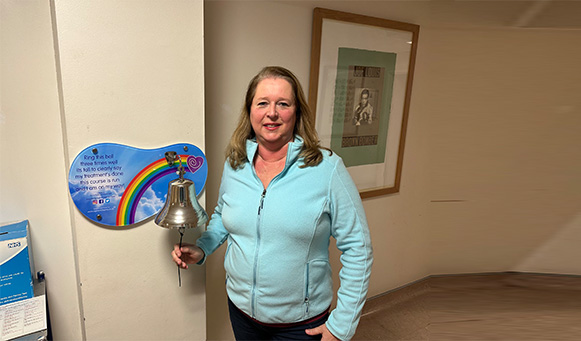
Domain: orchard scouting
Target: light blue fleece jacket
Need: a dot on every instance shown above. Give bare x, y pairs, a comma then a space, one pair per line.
277, 260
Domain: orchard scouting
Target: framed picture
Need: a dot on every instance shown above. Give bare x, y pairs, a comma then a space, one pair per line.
359, 89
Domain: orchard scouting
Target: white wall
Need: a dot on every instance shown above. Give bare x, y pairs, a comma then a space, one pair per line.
33, 162
132, 73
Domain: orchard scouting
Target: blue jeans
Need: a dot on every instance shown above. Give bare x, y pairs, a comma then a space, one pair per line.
246, 328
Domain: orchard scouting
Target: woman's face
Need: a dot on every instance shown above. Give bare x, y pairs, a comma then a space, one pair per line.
273, 113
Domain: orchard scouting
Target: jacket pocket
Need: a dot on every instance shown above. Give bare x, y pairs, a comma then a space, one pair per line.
318, 284
225, 260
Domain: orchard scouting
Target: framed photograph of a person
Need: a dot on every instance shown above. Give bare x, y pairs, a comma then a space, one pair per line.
360, 89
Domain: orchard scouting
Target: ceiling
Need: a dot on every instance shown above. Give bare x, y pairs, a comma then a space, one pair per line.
556, 14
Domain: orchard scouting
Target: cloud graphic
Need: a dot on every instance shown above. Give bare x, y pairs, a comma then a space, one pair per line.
149, 205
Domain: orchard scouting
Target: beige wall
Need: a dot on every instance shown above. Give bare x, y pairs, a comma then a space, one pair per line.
129, 72
489, 177
504, 111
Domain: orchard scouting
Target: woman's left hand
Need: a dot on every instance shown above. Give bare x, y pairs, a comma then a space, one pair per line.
322, 330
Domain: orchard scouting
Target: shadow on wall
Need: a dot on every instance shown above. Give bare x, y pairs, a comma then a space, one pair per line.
555, 254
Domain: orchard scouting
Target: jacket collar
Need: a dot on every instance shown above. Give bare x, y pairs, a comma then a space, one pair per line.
292, 154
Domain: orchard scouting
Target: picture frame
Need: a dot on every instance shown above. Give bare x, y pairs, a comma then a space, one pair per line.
360, 88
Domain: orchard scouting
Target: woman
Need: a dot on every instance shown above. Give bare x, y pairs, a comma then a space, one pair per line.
281, 199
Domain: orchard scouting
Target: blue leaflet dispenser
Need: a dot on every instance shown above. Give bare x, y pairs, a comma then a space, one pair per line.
119, 185
15, 263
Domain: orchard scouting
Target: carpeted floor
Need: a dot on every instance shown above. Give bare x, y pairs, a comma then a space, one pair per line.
500, 306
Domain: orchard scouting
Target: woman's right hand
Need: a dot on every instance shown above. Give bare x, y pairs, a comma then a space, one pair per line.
188, 254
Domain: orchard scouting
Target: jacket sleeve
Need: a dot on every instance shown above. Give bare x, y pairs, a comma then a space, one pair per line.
349, 228
216, 234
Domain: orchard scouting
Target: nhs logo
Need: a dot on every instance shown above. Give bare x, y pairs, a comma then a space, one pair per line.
13, 245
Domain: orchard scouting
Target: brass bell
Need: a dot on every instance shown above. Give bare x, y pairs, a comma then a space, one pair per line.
182, 209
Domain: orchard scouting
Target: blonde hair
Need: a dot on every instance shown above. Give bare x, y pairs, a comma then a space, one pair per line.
304, 124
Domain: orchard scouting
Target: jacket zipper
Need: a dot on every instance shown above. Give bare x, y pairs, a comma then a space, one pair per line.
255, 270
